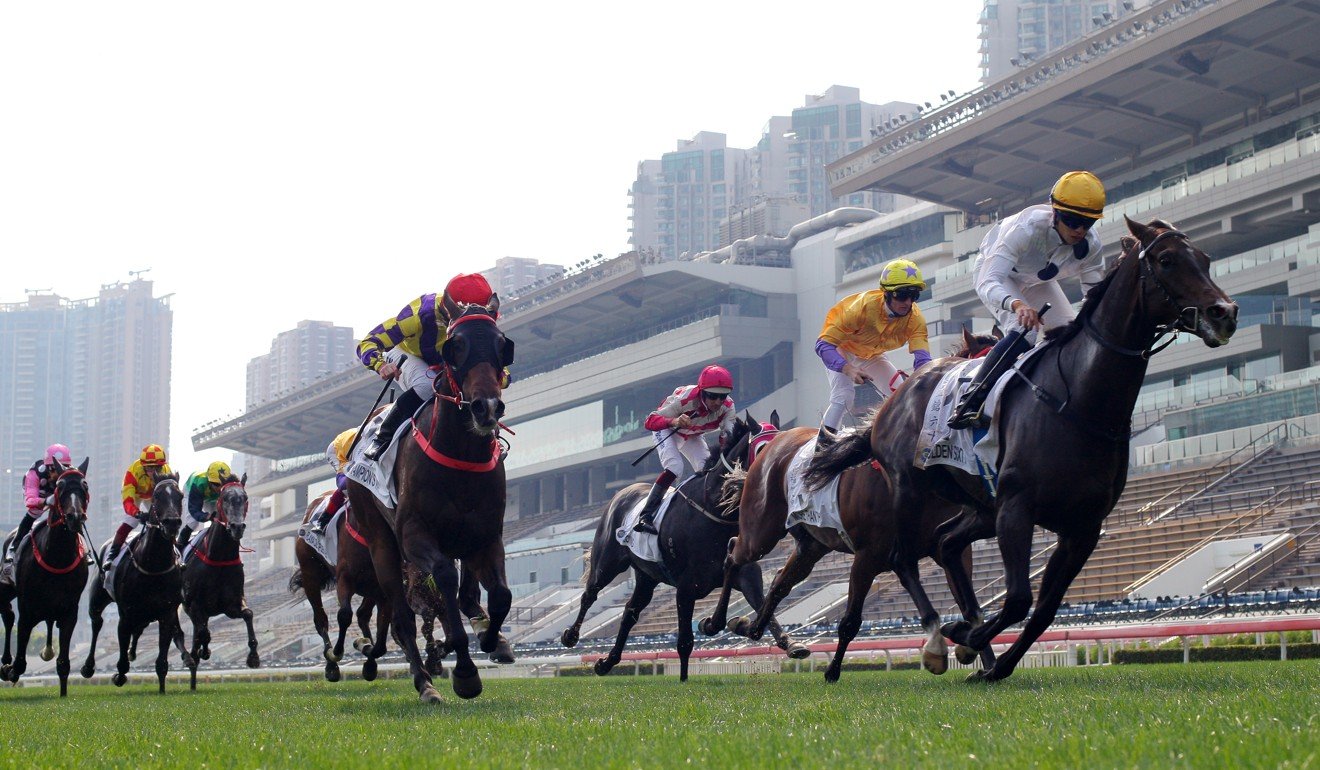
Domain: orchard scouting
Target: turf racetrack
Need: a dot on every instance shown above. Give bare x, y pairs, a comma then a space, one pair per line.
1231, 715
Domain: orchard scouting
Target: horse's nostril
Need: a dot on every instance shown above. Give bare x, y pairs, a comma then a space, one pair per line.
499, 409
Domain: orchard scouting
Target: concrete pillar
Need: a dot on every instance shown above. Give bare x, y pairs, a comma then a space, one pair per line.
597, 477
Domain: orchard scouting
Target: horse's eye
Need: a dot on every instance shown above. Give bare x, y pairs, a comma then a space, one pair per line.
1165, 260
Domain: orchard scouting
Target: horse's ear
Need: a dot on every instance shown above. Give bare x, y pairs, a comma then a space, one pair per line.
243, 481
1142, 232
83, 467
774, 418
997, 332
493, 307
969, 342
751, 421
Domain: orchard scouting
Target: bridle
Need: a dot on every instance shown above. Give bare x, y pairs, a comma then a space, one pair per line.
724, 461
1181, 323
153, 521
59, 518
426, 440
221, 518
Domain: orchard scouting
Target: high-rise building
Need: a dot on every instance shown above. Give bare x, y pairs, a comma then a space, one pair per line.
307, 352
511, 275
93, 374
1014, 33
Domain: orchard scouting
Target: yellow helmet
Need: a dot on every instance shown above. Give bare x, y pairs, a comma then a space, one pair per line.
152, 454
1079, 192
218, 472
899, 273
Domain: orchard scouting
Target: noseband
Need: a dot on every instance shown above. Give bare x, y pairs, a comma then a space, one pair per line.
1179, 324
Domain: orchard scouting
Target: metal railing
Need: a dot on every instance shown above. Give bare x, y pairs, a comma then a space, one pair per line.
1271, 438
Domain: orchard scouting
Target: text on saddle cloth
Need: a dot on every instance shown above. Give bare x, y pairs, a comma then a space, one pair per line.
814, 509
644, 546
326, 544
377, 476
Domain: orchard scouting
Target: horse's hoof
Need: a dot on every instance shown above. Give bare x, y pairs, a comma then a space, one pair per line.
957, 630
602, 666
369, 670
429, 695
47, 653
503, 652
569, 638
709, 628
980, 675
118, 679
740, 625
798, 650
206, 654
441, 671
467, 687
330, 656
361, 643
87, 670
965, 655
935, 664
253, 660
331, 672
832, 674
434, 667
5, 672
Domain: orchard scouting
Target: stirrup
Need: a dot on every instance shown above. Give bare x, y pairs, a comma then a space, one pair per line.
964, 418
377, 448
645, 526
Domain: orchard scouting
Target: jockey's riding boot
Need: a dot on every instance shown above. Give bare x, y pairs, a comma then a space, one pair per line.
825, 436
401, 411
646, 519
968, 413
112, 553
320, 522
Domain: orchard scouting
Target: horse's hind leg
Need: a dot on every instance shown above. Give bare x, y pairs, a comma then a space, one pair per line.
953, 554
935, 653
163, 653
125, 642
312, 590
95, 608
643, 589
376, 649
734, 559
363, 614
752, 588
861, 575
1014, 530
48, 651
488, 567
253, 659
433, 663
685, 602
603, 572
344, 619
1064, 564
801, 561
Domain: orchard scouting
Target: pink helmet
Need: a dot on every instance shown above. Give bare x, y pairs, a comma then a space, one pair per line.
715, 379
58, 452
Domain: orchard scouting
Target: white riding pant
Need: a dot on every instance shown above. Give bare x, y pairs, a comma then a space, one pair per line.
884, 378
673, 449
1061, 311
208, 510
414, 373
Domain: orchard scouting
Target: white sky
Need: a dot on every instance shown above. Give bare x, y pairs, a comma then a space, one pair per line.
278, 161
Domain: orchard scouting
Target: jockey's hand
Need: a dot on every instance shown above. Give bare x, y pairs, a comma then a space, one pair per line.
853, 373
681, 421
388, 371
50, 501
1026, 315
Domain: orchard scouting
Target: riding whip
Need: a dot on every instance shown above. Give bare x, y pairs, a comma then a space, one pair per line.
358, 436
648, 452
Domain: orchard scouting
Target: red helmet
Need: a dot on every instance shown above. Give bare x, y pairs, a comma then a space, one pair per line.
469, 289
715, 379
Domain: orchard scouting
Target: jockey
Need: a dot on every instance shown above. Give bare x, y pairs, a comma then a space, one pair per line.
1018, 269
337, 454
418, 332
138, 486
861, 328
202, 490
678, 425
38, 495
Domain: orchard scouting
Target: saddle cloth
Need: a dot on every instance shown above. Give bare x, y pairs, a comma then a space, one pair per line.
108, 577
326, 545
194, 540
378, 476
644, 545
816, 509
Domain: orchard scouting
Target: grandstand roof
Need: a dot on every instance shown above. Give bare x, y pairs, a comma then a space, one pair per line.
1138, 90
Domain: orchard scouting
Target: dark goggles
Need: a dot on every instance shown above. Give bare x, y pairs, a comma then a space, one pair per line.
1074, 221
906, 293
706, 394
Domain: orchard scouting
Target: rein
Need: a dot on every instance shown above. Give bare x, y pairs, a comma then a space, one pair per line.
59, 519
219, 518
427, 440
353, 533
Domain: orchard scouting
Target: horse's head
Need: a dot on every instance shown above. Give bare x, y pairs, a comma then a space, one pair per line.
1180, 294
763, 435
166, 503
71, 495
477, 353
231, 508
975, 345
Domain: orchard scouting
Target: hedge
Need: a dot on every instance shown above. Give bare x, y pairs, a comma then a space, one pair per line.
1224, 653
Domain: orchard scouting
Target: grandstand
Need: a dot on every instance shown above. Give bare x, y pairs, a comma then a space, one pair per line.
1227, 442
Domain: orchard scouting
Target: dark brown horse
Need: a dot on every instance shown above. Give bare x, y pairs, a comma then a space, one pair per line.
49, 576
1063, 426
148, 585
871, 517
213, 575
694, 530
450, 480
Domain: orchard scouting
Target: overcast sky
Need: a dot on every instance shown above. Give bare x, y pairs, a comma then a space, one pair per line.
272, 161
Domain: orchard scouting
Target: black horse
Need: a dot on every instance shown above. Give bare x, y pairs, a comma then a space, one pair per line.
1063, 424
148, 586
694, 532
450, 479
213, 576
49, 576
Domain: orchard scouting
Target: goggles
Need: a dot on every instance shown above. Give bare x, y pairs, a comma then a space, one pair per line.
906, 293
709, 396
1074, 221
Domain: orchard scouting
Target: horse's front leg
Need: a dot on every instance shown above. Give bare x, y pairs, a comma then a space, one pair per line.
643, 589
863, 572
48, 651
806, 552
201, 640
488, 567
62, 664
163, 652
13, 671
95, 610
125, 642
253, 659
386, 561
753, 590
1015, 529
1064, 564
7, 615
176, 636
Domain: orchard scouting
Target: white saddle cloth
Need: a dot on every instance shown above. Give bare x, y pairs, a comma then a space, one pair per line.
644, 545
819, 508
326, 544
376, 475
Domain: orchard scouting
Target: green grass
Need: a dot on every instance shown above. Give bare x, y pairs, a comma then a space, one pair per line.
1237, 715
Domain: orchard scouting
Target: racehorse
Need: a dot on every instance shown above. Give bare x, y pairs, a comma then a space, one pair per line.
49, 577
692, 534
148, 586
871, 518
213, 576
1063, 425
449, 474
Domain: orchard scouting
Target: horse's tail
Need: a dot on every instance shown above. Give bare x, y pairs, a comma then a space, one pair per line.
731, 489
850, 449
295, 580
586, 567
